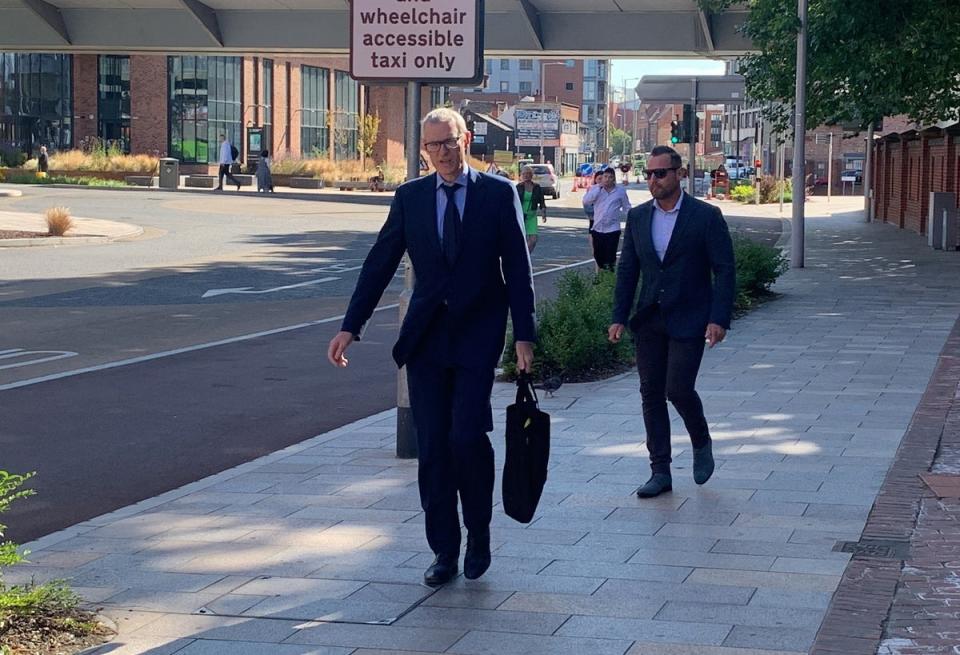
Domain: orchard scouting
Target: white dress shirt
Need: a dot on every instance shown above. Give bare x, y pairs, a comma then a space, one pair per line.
608, 207
662, 225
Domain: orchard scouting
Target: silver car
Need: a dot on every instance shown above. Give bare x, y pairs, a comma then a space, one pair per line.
544, 176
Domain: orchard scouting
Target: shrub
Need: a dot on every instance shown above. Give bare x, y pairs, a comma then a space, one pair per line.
758, 267
58, 221
10, 491
572, 331
99, 160
769, 190
11, 157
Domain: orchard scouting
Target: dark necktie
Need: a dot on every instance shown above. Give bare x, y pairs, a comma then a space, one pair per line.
451, 225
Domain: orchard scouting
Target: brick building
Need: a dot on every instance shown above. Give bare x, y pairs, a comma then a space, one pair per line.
908, 166
178, 105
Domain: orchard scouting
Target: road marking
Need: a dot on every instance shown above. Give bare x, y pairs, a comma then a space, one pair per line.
221, 292
19, 352
221, 342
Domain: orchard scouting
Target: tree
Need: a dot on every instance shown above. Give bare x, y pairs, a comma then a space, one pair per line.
369, 132
867, 59
619, 141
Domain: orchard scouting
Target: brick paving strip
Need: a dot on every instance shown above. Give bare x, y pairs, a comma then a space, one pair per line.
900, 594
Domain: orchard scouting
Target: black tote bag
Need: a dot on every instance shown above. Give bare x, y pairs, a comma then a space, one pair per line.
528, 452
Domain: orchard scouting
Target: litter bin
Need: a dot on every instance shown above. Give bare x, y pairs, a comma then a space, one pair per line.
169, 173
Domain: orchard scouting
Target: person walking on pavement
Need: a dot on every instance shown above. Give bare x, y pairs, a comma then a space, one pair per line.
681, 248
609, 202
228, 155
532, 202
463, 232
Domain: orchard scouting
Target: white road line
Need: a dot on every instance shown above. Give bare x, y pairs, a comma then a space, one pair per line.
221, 342
221, 292
54, 355
12, 350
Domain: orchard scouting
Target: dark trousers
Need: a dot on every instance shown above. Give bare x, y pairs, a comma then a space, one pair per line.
668, 371
225, 172
452, 414
605, 246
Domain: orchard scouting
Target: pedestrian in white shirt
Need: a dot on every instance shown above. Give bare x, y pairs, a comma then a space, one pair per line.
610, 205
226, 160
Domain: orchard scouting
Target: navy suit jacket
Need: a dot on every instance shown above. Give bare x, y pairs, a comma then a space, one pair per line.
492, 272
696, 281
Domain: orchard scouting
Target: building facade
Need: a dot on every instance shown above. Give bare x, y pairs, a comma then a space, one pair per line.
178, 106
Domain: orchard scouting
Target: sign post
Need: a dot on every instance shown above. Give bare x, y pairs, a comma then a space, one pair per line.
413, 43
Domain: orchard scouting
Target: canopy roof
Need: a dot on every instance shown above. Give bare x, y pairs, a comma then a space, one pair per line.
541, 28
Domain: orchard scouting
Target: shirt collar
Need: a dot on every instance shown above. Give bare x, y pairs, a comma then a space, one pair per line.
676, 207
461, 179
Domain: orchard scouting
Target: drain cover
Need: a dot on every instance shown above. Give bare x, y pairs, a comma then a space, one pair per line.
882, 548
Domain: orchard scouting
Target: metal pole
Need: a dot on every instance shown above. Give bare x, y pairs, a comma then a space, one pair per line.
830, 168
799, 135
543, 75
757, 154
406, 430
868, 176
692, 167
781, 166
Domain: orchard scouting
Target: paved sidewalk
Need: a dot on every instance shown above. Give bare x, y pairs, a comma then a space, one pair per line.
319, 549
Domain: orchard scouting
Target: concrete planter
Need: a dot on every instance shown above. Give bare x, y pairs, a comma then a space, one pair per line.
200, 181
141, 180
304, 182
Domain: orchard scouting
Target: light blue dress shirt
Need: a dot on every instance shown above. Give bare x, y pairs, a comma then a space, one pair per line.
662, 226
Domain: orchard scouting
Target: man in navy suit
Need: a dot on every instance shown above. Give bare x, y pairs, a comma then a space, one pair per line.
463, 231
681, 248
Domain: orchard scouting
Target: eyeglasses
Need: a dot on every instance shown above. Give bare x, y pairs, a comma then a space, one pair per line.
659, 173
450, 144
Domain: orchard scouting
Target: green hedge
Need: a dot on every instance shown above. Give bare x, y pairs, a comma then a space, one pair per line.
573, 326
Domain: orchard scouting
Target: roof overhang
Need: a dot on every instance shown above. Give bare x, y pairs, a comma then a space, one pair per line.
543, 28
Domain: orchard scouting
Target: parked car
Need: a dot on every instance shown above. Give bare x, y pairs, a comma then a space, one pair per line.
544, 176
857, 176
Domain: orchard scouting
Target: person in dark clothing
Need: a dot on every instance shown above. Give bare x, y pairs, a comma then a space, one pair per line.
43, 162
228, 155
680, 246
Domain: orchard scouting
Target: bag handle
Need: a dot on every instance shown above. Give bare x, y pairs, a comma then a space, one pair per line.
525, 390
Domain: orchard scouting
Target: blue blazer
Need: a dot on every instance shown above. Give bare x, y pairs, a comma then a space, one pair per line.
696, 281
492, 272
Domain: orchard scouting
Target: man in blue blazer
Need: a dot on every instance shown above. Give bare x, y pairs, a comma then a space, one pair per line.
681, 248
463, 231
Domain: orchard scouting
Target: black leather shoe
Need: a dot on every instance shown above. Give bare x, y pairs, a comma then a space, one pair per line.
657, 484
476, 561
443, 570
703, 463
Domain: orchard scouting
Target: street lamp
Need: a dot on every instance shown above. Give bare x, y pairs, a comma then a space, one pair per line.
620, 116
543, 85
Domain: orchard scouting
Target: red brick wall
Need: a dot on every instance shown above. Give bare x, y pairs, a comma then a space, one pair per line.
148, 104
84, 97
556, 79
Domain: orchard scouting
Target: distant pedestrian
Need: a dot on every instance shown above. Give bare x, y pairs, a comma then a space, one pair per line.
228, 155
264, 177
43, 162
532, 202
588, 210
680, 247
609, 203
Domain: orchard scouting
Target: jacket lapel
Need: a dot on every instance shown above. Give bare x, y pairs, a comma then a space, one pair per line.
676, 238
645, 225
432, 235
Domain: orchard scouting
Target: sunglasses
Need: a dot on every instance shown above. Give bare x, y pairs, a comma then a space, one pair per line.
449, 144
658, 173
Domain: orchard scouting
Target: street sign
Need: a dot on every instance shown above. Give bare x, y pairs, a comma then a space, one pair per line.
711, 89
439, 41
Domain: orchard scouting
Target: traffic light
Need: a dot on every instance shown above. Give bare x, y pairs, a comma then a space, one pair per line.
676, 131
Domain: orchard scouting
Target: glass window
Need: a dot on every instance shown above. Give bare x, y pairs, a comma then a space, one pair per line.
113, 101
526, 64
568, 86
488, 66
504, 87
267, 101
345, 135
314, 132
526, 88
204, 101
36, 102
504, 64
